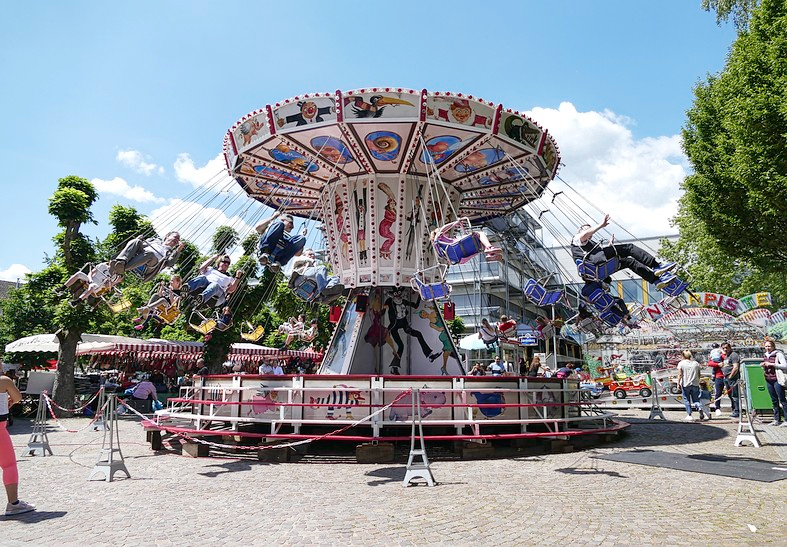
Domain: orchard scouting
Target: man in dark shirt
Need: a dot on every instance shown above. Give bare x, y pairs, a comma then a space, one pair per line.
645, 265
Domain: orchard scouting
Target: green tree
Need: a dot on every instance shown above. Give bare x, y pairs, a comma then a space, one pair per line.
739, 10
735, 141
224, 238
713, 270
70, 204
127, 223
249, 243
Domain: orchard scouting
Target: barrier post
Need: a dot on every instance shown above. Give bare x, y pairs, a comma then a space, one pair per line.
746, 430
101, 423
417, 469
38, 445
655, 405
107, 463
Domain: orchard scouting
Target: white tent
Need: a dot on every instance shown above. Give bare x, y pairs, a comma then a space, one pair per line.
39, 342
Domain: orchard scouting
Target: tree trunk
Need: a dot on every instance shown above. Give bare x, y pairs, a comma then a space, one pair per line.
64, 391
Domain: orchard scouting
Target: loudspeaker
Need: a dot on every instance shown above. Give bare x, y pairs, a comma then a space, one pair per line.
360, 303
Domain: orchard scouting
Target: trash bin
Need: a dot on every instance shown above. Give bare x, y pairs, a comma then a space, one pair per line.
756, 392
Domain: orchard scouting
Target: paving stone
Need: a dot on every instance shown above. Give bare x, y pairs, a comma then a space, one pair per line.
552, 499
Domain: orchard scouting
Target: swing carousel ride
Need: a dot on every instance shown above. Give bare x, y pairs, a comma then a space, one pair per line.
381, 169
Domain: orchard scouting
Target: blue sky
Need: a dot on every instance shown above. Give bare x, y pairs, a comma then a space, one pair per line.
137, 96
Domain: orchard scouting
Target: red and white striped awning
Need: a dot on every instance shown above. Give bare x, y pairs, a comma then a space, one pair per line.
252, 352
153, 348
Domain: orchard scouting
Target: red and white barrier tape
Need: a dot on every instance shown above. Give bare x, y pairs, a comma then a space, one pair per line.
49, 404
295, 443
74, 410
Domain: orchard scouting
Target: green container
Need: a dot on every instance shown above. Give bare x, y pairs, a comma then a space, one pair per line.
756, 392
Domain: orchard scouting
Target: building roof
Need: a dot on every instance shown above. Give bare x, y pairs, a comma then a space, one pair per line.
5, 287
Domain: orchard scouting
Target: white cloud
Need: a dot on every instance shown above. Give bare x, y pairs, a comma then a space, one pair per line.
196, 222
135, 160
211, 175
14, 272
120, 187
636, 181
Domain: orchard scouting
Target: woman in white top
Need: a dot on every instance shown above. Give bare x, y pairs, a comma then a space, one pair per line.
9, 396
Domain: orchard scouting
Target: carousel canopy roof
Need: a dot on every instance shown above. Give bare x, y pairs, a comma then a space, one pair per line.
285, 154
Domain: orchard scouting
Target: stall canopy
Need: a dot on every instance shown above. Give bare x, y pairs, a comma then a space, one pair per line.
104, 344
253, 352
119, 345
39, 342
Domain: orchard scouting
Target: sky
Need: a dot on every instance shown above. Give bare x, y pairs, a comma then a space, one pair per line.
137, 96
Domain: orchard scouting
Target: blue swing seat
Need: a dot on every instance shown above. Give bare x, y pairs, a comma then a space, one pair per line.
599, 272
675, 287
431, 291
540, 296
600, 299
461, 249
305, 289
611, 317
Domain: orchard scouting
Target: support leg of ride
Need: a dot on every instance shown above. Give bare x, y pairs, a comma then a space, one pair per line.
273, 455
195, 450
374, 453
153, 436
475, 451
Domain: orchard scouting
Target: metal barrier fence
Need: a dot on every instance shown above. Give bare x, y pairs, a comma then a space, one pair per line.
514, 406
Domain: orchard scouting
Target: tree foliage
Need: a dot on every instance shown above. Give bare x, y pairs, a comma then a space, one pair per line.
126, 223
224, 238
713, 270
739, 10
735, 140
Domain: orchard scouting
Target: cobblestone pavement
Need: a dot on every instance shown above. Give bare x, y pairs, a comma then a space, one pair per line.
556, 499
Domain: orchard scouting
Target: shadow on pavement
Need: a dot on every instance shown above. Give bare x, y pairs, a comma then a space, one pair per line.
36, 516
644, 433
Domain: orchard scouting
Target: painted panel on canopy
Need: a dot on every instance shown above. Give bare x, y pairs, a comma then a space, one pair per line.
336, 209
360, 229
492, 157
371, 104
389, 206
302, 112
523, 175
384, 146
551, 157
520, 129
442, 143
270, 179
250, 132
283, 155
331, 146
460, 110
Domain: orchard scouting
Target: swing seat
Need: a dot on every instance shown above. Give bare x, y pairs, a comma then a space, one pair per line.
597, 272
205, 327
540, 296
675, 287
305, 289
254, 334
460, 250
431, 291
601, 300
611, 317
118, 305
166, 314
